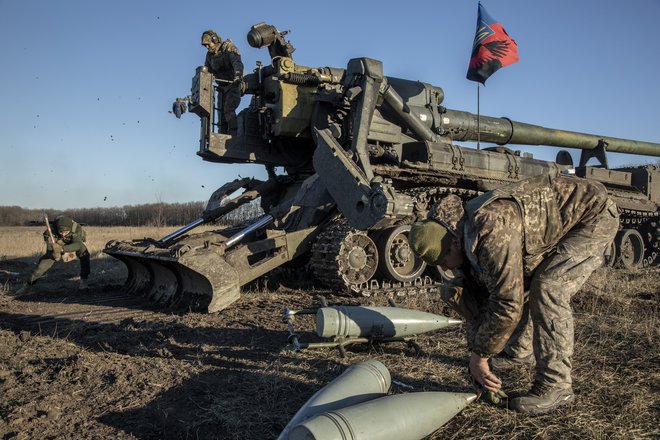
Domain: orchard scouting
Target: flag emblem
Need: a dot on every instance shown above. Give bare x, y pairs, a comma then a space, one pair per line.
492, 48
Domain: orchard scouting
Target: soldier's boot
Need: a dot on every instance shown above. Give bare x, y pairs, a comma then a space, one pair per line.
505, 360
542, 399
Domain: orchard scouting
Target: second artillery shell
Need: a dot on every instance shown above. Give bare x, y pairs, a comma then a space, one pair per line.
377, 322
410, 416
360, 382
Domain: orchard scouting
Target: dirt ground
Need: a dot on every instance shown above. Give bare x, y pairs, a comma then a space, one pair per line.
97, 363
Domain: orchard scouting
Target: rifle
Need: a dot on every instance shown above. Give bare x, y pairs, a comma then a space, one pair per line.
50, 232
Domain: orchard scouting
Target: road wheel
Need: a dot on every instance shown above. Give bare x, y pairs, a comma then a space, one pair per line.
396, 260
630, 249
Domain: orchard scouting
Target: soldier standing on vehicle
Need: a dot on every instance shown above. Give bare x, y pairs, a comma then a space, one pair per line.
546, 234
64, 239
224, 61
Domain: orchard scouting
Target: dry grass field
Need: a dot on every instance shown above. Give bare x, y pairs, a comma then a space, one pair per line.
97, 363
20, 242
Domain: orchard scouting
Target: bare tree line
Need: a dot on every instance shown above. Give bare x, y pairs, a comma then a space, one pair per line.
151, 214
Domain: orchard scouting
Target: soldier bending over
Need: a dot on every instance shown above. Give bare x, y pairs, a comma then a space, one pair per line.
546, 234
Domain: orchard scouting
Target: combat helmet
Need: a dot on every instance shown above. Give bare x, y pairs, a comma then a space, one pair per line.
63, 223
210, 36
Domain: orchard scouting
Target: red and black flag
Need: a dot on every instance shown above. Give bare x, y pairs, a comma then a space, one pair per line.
492, 48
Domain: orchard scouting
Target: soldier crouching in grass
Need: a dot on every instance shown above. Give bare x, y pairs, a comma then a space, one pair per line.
523, 250
64, 239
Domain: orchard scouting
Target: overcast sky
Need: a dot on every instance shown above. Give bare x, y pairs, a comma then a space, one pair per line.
87, 85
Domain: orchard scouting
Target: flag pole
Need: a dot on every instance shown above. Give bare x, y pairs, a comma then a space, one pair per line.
478, 119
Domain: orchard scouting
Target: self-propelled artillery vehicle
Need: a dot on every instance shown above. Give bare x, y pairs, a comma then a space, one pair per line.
364, 156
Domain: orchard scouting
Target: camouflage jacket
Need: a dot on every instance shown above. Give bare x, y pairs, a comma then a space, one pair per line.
225, 62
507, 233
71, 243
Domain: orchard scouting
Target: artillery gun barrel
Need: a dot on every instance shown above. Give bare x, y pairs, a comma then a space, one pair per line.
463, 127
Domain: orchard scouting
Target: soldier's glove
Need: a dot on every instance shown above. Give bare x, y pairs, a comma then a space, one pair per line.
179, 107
57, 251
239, 84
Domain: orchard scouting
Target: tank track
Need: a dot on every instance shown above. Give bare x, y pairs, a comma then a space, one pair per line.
325, 260
327, 252
648, 225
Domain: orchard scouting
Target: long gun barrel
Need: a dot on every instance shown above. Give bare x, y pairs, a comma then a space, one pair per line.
462, 126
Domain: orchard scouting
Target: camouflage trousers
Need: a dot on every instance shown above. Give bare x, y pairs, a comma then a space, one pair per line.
230, 98
546, 327
47, 260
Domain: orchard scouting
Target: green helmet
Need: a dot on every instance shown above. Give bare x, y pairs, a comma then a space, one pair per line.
63, 223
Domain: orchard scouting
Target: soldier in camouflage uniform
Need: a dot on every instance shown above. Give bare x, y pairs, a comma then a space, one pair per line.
69, 239
523, 251
224, 61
